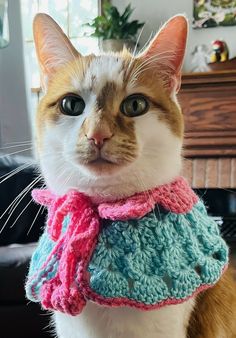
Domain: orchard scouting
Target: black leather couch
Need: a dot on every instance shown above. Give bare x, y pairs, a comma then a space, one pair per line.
19, 318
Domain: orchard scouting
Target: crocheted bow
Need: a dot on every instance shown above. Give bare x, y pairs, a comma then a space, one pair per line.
62, 292
69, 258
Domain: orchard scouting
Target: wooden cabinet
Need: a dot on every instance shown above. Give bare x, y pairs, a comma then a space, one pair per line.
208, 101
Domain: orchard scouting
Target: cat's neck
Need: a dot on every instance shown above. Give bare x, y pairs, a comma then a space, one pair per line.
113, 189
132, 179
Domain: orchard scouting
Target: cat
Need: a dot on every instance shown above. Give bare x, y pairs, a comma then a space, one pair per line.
111, 126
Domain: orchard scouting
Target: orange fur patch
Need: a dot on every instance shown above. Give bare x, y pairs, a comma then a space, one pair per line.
215, 311
151, 83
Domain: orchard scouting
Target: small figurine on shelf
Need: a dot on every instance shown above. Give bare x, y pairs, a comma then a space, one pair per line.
220, 51
200, 58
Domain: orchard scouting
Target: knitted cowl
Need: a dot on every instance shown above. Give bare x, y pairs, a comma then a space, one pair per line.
152, 249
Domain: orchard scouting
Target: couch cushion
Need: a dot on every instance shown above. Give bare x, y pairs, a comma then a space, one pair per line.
14, 262
9, 190
24, 321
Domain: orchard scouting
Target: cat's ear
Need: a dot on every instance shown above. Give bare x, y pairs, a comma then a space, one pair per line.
53, 48
165, 52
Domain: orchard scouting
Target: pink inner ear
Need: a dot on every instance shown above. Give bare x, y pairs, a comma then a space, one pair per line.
169, 47
53, 47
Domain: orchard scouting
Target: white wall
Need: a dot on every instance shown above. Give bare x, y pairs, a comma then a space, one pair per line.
156, 12
14, 124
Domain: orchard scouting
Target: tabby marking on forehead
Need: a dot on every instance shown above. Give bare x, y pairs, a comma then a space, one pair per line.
106, 95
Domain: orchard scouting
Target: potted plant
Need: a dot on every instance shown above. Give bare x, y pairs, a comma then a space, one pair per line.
114, 29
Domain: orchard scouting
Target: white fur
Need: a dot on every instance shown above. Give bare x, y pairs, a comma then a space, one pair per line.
159, 161
105, 68
101, 322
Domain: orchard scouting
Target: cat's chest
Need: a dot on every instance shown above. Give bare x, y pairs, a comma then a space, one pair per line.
103, 322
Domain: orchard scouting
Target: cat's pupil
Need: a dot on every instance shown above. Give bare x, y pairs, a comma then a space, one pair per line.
135, 105
75, 105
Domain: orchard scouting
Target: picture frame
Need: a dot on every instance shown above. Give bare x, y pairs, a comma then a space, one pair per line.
214, 13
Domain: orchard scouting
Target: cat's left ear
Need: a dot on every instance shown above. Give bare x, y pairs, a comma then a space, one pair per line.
165, 53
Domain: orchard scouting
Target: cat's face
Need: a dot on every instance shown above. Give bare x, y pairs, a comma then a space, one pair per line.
109, 125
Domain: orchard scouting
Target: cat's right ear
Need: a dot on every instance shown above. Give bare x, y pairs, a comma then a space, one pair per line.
53, 48
165, 53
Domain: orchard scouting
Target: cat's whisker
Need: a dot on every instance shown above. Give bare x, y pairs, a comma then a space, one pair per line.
143, 66
146, 43
67, 178
166, 55
229, 190
23, 194
36, 180
12, 225
13, 208
40, 209
7, 220
14, 146
15, 171
18, 142
134, 76
62, 172
135, 48
159, 67
158, 56
16, 152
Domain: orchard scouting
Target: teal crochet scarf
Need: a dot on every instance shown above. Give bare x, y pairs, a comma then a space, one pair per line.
147, 251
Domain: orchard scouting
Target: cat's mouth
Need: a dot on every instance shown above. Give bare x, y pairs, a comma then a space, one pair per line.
102, 165
100, 161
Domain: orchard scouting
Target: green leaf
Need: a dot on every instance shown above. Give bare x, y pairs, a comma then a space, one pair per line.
112, 25
114, 14
127, 12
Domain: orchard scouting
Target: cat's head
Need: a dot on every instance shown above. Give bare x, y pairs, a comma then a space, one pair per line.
109, 125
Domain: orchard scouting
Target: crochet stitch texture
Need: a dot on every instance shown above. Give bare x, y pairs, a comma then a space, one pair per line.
153, 249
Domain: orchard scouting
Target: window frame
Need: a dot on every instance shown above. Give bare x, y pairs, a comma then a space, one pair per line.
38, 90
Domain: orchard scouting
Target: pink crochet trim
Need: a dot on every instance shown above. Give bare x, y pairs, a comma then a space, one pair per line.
116, 302
75, 247
176, 197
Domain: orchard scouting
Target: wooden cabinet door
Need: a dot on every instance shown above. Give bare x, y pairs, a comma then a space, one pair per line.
208, 101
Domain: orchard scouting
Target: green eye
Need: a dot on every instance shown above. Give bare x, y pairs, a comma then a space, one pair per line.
72, 105
134, 105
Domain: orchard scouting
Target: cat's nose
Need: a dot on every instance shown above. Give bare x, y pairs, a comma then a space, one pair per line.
99, 137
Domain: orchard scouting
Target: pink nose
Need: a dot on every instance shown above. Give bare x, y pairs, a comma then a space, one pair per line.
98, 138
